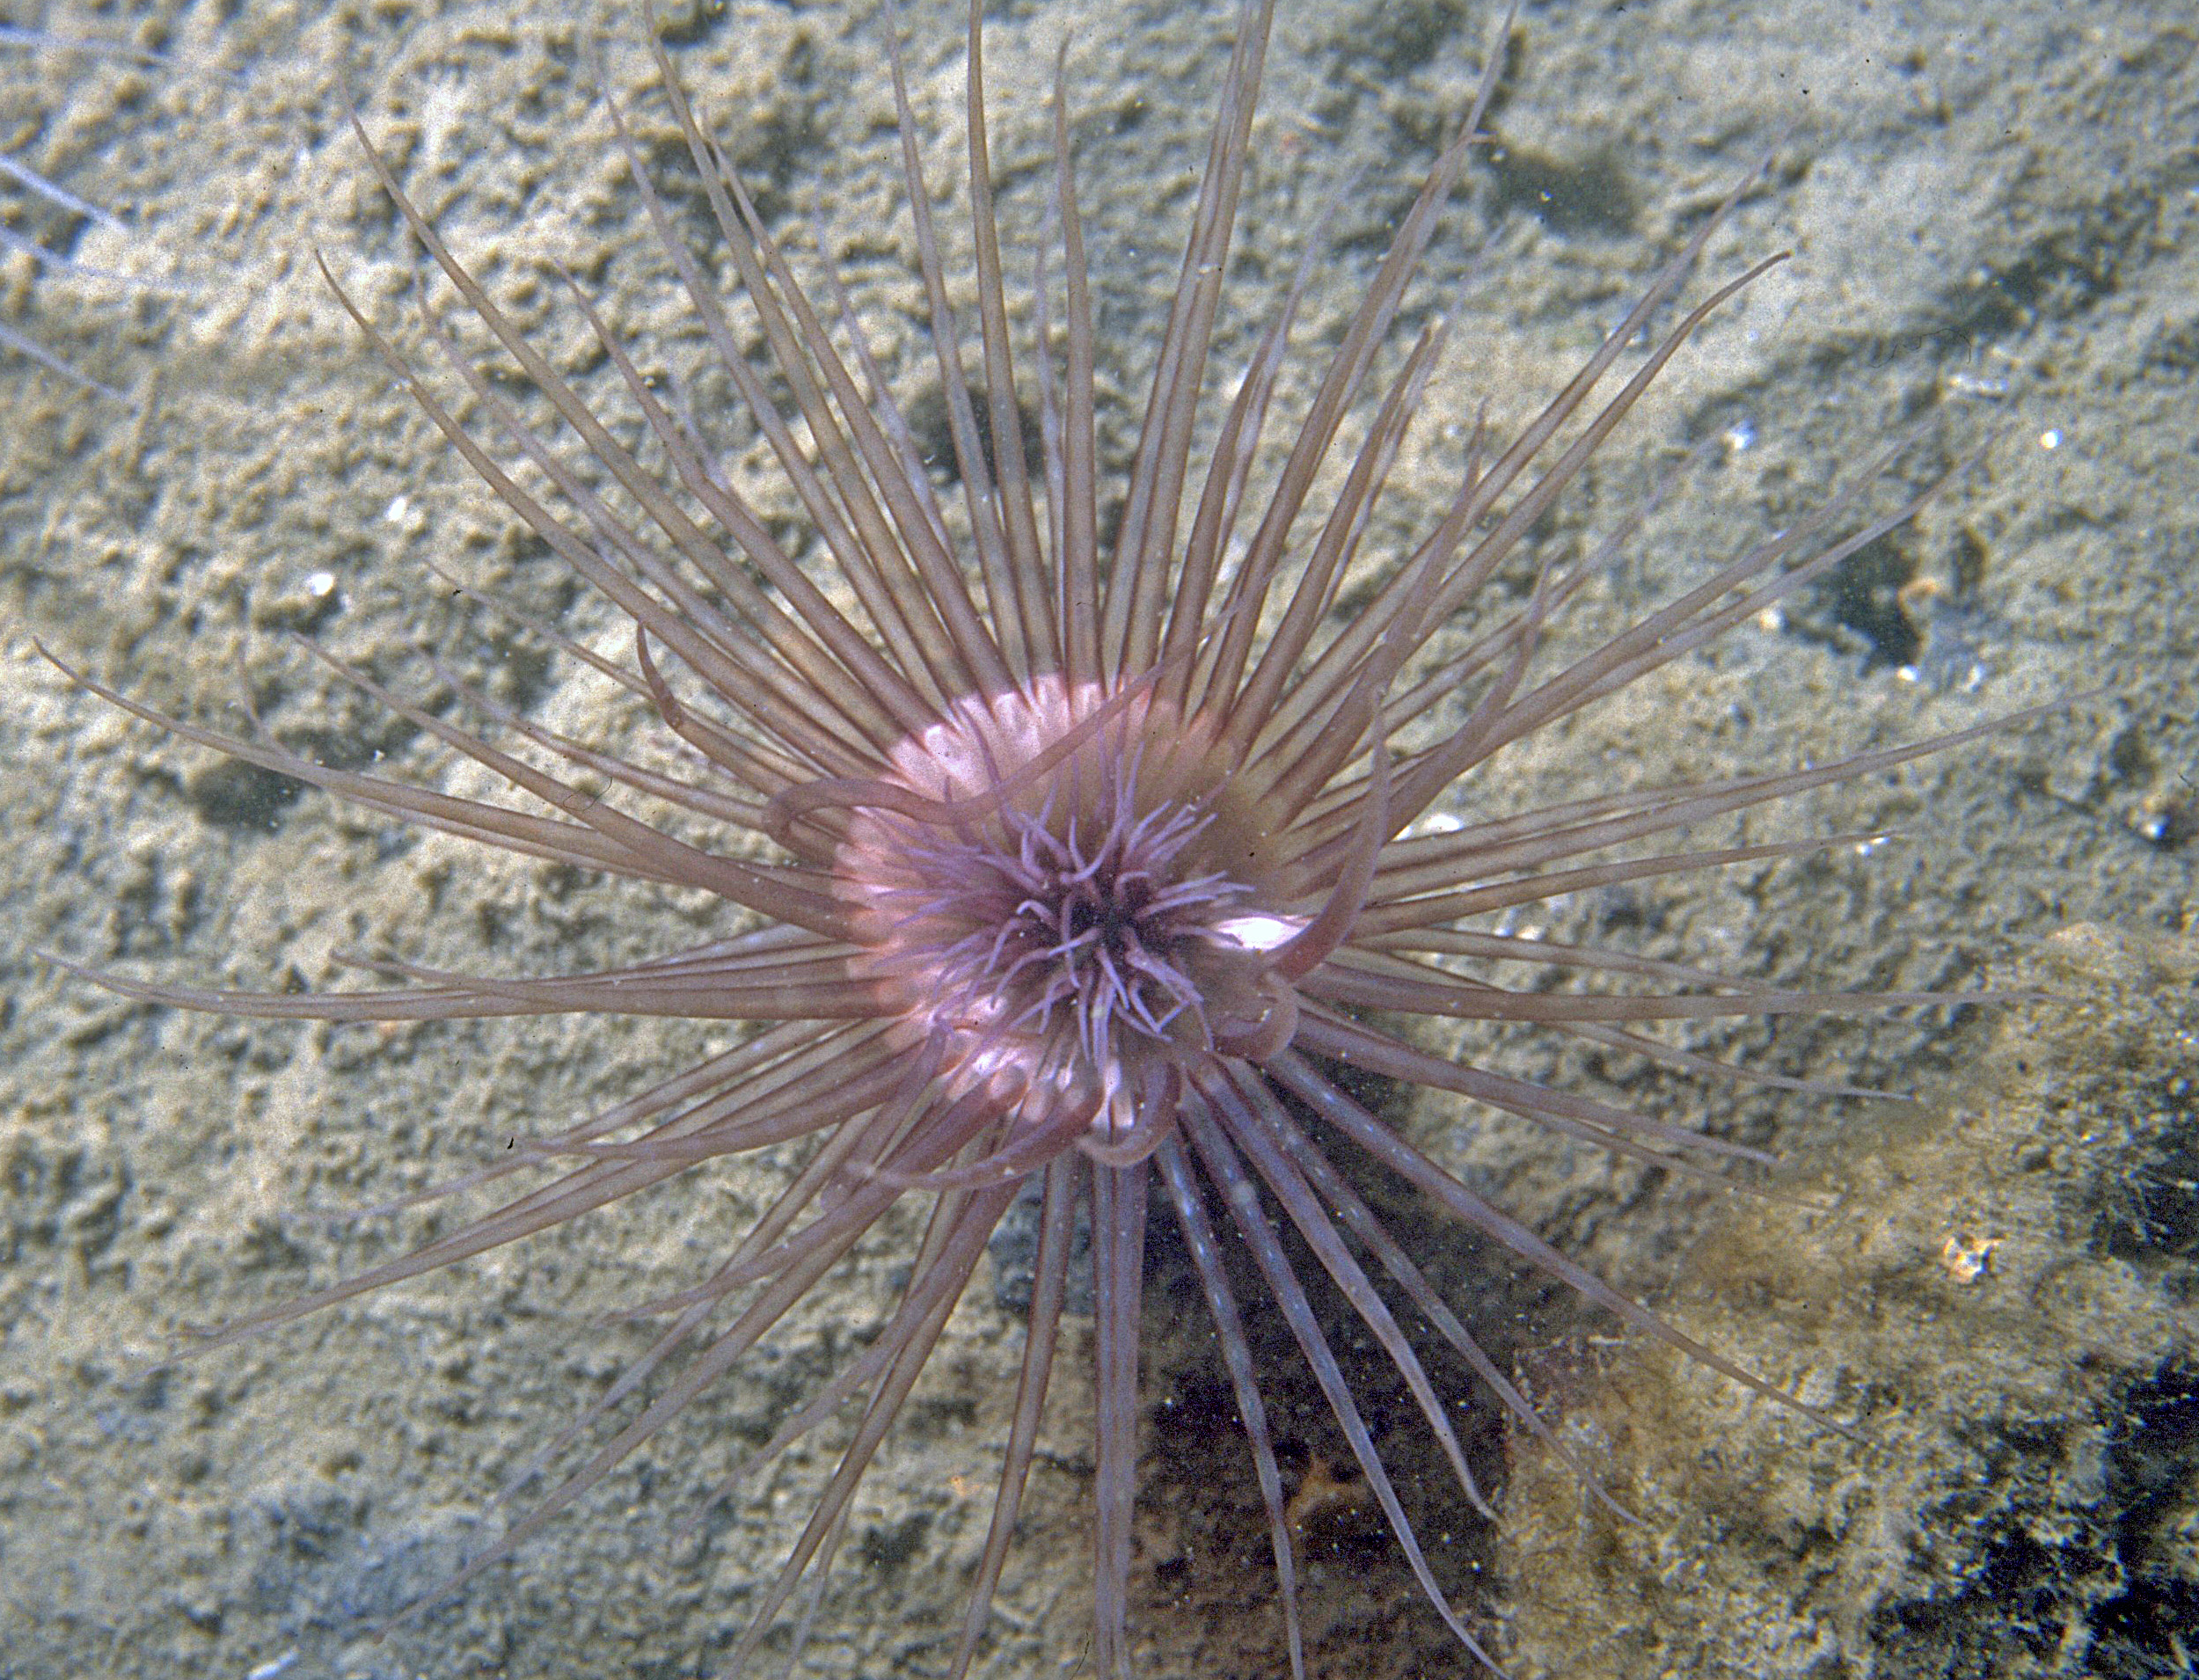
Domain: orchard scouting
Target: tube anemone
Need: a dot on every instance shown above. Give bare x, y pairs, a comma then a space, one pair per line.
1059, 850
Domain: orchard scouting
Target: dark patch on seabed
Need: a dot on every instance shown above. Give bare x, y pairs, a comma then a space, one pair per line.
2023, 1494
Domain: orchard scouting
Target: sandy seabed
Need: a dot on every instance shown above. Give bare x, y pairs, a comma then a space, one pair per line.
1994, 214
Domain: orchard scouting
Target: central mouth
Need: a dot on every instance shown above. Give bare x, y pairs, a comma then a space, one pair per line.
1055, 890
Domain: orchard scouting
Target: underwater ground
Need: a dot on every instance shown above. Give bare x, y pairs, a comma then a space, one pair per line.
1994, 213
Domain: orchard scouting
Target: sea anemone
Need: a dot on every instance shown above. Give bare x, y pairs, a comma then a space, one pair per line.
1103, 835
